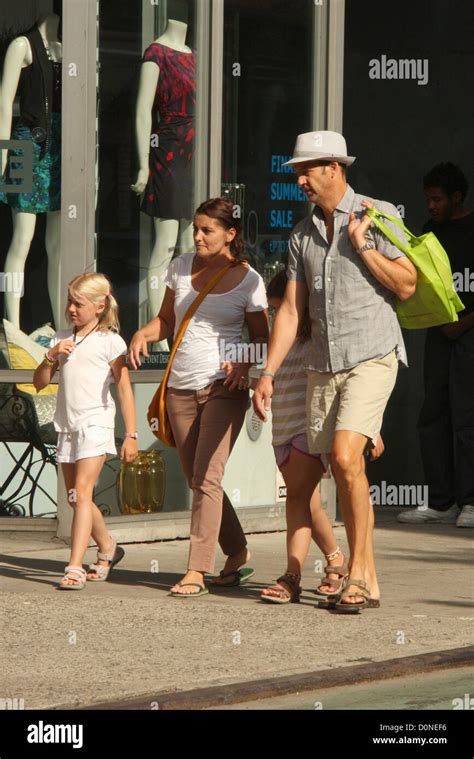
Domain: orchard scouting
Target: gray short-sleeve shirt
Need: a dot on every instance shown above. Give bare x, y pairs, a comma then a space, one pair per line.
353, 316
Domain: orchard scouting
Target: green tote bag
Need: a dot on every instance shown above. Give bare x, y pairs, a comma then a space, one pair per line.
435, 300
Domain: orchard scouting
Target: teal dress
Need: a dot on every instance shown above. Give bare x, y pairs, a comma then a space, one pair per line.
46, 193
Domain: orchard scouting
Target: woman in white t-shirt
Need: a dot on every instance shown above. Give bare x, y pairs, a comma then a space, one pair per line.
88, 356
207, 393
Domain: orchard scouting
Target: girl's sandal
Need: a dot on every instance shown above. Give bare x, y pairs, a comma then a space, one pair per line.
77, 575
284, 595
103, 573
338, 585
353, 608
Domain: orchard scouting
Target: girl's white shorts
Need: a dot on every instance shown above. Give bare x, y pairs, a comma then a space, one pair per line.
85, 443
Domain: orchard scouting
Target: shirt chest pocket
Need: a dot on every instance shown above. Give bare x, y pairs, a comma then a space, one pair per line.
354, 270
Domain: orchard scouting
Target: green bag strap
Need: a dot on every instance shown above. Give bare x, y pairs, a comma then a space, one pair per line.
374, 214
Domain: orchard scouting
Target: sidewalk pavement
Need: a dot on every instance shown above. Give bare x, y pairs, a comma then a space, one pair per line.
126, 638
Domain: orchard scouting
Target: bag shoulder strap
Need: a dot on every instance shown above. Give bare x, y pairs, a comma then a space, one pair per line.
374, 214
190, 313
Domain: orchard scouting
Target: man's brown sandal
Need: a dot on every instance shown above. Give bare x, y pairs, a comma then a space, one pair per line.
284, 595
353, 607
338, 585
373, 603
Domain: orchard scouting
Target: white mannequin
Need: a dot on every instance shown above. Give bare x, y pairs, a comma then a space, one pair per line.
19, 56
167, 231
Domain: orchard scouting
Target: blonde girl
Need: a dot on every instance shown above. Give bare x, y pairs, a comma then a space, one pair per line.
89, 355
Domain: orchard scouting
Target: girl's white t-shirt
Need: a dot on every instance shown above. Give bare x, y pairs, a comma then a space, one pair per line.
215, 330
84, 397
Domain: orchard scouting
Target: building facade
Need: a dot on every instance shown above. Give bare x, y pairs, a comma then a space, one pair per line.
238, 80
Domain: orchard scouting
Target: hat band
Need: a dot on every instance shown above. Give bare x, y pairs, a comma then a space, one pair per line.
315, 154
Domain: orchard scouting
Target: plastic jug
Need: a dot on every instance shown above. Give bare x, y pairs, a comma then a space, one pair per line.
142, 484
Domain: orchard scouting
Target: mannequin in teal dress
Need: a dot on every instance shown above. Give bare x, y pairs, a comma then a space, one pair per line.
33, 69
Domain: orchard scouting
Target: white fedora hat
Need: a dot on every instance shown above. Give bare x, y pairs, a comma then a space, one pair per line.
320, 146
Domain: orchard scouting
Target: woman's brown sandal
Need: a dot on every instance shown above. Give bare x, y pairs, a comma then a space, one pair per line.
338, 585
284, 595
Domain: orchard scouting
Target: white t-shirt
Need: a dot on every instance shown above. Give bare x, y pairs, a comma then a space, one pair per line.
217, 323
84, 397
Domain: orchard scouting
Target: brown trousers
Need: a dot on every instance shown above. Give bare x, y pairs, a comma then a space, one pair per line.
206, 424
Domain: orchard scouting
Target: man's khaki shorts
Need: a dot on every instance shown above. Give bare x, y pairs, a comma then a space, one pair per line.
353, 400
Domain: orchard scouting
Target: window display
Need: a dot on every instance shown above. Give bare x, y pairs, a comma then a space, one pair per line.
165, 150
269, 76
153, 70
147, 100
31, 75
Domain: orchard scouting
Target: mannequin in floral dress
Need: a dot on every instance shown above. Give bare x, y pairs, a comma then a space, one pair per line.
165, 139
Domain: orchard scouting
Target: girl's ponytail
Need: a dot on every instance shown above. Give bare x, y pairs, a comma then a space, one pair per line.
110, 314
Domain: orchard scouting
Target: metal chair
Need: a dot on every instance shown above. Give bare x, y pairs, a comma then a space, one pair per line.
26, 419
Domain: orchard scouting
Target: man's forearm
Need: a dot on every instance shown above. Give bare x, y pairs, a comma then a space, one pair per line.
390, 274
284, 331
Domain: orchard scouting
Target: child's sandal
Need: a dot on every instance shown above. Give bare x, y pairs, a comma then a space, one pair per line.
77, 574
283, 595
337, 585
102, 573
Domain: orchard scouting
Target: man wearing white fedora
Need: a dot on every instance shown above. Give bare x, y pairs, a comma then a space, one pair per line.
348, 274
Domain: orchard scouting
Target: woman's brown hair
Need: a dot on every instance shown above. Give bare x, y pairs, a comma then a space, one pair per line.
222, 210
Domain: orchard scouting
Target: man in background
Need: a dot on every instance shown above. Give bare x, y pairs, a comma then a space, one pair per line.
446, 423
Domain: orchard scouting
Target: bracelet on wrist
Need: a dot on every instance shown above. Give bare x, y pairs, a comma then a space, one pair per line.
48, 359
267, 374
133, 435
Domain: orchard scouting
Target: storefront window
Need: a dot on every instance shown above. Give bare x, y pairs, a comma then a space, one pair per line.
158, 102
151, 66
147, 103
30, 192
30, 210
267, 100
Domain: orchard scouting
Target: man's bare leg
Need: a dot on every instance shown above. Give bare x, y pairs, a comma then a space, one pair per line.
348, 467
371, 574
